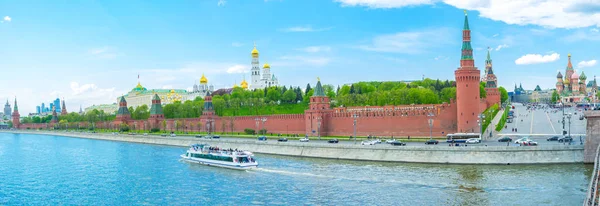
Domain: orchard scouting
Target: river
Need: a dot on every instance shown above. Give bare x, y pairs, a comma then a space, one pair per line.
54, 170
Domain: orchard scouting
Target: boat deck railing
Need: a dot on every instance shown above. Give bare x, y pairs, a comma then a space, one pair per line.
592, 194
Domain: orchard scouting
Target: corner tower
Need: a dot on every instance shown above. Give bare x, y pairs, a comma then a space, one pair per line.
16, 117
318, 112
123, 114
467, 85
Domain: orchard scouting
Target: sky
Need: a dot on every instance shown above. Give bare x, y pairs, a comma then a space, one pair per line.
90, 52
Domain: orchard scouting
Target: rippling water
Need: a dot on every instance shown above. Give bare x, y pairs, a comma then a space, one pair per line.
53, 170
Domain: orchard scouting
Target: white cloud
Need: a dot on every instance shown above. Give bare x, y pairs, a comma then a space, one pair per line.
236, 44
315, 49
547, 13
304, 29
387, 4
6, 19
409, 42
495, 35
104, 52
441, 58
221, 3
502, 46
537, 59
595, 30
78, 89
583, 64
237, 69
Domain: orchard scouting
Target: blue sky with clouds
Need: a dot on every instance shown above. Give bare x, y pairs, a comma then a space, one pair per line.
89, 52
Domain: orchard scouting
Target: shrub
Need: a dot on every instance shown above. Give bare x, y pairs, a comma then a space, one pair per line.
262, 131
154, 130
249, 131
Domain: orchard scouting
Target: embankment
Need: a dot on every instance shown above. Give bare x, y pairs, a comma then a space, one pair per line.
420, 154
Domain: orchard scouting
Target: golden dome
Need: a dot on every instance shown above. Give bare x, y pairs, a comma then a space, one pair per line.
267, 66
244, 84
254, 52
172, 91
235, 85
203, 79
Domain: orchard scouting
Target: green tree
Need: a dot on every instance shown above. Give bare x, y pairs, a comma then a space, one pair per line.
273, 94
448, 93
482, 92
307, 89
503, 94
289, 96
555, 96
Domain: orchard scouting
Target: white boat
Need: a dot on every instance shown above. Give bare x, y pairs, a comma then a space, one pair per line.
213, 156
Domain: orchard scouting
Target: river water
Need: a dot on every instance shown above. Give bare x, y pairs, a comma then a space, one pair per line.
53, 170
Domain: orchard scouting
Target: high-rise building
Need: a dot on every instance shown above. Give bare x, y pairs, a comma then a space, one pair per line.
38, 109
7, 110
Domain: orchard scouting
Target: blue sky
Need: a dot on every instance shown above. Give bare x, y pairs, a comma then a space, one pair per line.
90, 52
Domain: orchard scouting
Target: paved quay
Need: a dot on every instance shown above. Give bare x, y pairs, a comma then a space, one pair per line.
417, 154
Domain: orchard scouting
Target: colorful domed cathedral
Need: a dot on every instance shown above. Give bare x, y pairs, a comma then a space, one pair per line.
571, 87
258, 80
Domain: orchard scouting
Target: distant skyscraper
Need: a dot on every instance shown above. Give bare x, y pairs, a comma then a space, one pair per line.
7, 110
57, 105
38, 109
43, 107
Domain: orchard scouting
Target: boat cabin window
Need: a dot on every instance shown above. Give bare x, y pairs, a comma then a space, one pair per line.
243, 160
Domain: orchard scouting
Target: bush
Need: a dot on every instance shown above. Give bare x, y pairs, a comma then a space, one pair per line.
124, 128
154, 130
262, 131
249, 131
503, 119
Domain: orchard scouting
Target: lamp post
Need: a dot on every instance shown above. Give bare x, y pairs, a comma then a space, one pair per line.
257, 121
355, 116
569, 117
319, 127
563, 118
480, 124
209, 125
264, 119
430, 115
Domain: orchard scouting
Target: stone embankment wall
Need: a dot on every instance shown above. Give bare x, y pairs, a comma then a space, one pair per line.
421, 154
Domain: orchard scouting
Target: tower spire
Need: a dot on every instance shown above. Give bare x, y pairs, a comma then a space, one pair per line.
466, 60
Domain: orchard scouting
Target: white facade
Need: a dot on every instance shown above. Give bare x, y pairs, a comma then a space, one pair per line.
258, 80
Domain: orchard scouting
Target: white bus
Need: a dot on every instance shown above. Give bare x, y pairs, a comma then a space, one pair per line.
461, 137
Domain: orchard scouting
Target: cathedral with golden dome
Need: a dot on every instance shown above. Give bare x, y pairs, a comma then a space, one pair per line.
260, 79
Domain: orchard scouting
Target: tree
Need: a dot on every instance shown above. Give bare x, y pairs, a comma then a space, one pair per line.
448, 93
555, 96
307, 89
289, 96
273, 94
63, 123
164, 125
504, 94
482, 93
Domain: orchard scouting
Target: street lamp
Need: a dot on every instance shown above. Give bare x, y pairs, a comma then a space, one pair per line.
563, 119
257, 121
480, 124
319, 127
430, 115
264, 119
209, 125
355, 116
569, 117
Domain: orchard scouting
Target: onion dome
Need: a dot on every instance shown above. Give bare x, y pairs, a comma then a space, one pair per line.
559, 75
266, 66
244, 84
575, 76
203, 79
567, 81
582, 77
254, 52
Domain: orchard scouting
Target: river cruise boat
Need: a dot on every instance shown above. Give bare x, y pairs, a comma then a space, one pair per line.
213, 156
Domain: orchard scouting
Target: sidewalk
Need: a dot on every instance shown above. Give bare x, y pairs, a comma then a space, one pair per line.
492, 126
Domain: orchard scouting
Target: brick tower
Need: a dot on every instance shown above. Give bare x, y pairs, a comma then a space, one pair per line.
208, 113
16, 117
54, 116
123, 114
156, 112
63, 111
317, 113
467, 85
491, 84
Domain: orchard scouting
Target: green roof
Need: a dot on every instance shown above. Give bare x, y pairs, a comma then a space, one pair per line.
319, 90
156, 91
466, 23
582, 77
156, 108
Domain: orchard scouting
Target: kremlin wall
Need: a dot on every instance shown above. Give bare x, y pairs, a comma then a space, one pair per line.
320, 119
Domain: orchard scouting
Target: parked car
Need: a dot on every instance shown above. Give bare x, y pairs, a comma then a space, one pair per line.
262, 138
504, 139
216, 137
431, 141
389, 141
333, 141
198, 136
555, 138
397, 143
163, 135
304, 139
529, 143
282, 140
565, 139
173, 135
472, 141
377, 141
521, 140
367, 142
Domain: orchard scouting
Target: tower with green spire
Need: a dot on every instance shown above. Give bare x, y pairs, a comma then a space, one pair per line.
123, 114
156, 110
16, 117
467, 86
318, 112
